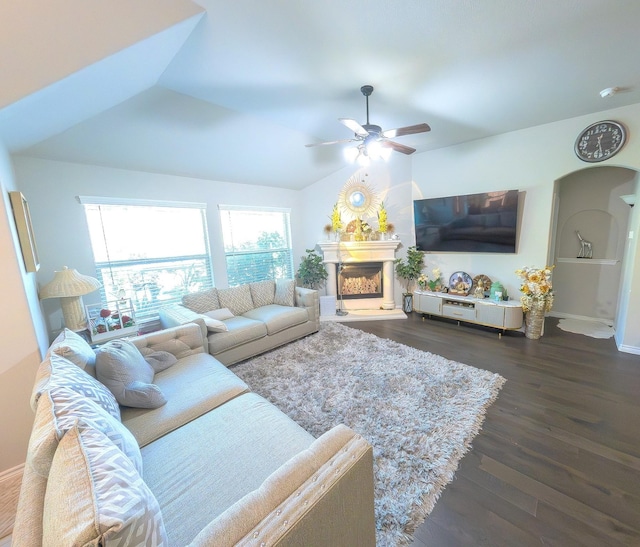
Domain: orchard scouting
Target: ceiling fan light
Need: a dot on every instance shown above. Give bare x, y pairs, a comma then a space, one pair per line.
363, 158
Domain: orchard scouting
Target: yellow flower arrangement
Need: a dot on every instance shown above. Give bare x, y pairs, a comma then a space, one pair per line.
536, 287
336, 221
382, 219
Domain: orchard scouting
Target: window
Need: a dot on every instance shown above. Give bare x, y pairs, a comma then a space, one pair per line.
257, 244
151, 252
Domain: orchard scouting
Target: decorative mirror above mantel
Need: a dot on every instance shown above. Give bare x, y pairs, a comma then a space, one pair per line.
357, 198
361, 206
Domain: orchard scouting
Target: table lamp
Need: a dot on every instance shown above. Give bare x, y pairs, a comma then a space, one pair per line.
69, 286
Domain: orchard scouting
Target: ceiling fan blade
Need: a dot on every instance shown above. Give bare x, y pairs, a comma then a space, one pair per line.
329, 142
398, 147
354, 126
409, 130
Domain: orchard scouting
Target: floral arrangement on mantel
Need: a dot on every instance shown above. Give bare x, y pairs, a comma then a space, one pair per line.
336, 220
434, 283
358, 229
536, 287
382, 219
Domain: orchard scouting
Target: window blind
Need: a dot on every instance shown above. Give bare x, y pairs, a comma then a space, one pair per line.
153, 253
257, 243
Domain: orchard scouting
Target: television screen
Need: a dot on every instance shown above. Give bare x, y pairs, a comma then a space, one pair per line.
473, 223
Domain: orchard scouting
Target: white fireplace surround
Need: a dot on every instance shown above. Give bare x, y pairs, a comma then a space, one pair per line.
353, 252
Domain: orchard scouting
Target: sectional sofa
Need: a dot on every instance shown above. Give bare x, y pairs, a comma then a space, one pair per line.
249, 319
193, 458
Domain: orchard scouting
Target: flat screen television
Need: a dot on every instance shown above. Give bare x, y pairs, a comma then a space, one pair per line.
472, 223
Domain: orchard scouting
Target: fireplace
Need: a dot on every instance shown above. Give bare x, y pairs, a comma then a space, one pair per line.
355, 253
361, 280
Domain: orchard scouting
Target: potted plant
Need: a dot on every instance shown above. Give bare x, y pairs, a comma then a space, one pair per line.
409, 270
311, 272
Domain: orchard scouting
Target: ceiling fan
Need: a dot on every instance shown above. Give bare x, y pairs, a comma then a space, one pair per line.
373, 141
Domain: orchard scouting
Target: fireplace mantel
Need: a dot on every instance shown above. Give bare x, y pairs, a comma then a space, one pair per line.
362, 251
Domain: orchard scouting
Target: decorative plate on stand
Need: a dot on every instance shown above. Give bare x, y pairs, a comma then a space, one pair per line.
460, 283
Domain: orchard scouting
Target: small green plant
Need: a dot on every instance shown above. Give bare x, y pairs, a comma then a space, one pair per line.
312, 273
410, 269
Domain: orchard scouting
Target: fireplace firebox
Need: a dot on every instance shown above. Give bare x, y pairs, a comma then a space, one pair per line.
360, 280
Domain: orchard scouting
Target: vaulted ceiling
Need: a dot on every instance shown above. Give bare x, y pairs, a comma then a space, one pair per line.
232, 91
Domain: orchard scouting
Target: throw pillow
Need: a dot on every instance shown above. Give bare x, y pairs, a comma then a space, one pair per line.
56, 371
76, 349
220, 315
285, 295
121, 367
237, 299
58, 411
95, 496
214, 325
202, 301
160, 360
262, 292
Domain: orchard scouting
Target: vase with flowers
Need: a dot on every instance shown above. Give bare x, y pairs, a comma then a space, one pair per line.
433, 283
383, 225
336, 221
536, 299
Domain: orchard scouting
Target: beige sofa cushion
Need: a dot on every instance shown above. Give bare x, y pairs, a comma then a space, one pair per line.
278, 318
285, 292
240, 331
263, 292
58, 411
237, 299
202, 301
121, 367
214, 325
96, 497
217, 464
220, 315
193, 386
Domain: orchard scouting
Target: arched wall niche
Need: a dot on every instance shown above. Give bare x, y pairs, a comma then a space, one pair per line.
600, 228
589, 201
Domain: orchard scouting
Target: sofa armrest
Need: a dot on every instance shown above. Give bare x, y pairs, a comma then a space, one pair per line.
308, 298
322, 496
181, 341
175, 315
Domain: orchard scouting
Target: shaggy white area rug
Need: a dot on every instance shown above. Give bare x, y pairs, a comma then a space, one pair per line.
595, 329
420, 411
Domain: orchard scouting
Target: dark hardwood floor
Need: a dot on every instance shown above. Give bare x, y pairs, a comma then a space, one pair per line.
558, 459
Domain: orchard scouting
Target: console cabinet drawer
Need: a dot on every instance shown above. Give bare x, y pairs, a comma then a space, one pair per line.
459, 312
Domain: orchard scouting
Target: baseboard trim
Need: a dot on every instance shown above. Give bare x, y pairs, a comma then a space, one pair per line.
629, 349
10, 482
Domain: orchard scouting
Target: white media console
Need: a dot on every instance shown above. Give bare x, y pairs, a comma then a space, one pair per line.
504, 314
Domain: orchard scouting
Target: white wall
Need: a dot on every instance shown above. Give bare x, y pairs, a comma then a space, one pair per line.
19, 333
60, 225
530, 160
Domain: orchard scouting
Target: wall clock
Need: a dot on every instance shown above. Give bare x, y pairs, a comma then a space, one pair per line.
600, 141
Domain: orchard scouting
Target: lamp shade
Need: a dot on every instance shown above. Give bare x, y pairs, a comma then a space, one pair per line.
69, 286
68, 282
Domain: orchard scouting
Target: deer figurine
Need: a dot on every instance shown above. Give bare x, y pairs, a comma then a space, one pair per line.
586, 250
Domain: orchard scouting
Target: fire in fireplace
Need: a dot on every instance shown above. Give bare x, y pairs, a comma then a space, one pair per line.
361, 280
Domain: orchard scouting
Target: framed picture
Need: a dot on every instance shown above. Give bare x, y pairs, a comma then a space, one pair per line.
25, 231
115, 319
